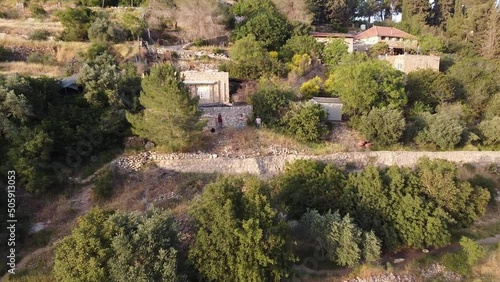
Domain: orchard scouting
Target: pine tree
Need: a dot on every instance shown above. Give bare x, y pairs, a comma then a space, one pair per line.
412, 8
371, 247
170, 117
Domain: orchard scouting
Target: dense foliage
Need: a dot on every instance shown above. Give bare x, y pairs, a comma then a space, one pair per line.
108, 246
239, 236
404, 208
344, 242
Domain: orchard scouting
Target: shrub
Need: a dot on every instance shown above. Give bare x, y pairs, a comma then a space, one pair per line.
306, 122
40, 58
271, 104
39, 34
441, 130
311, 88
490, 129
103, 30
104, 185
198, 42
382, 126
4, 53
76, 23
472, 250
381, 48
37, 11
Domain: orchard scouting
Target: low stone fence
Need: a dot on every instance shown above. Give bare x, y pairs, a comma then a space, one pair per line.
231, 115
267, 166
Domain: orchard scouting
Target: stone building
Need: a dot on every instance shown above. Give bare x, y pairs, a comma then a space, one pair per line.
211, 86
396, 39
408, 63
325, 37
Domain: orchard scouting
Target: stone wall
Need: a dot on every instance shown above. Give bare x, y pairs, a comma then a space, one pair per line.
408, 63
230, 115
270, 165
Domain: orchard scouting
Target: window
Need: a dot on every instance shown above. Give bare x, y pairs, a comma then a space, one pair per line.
399, 66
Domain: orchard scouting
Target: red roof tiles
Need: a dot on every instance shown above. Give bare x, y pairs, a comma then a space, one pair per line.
383, 31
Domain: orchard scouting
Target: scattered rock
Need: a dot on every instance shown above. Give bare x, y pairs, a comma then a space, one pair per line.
149, 146
399, 260
425, 251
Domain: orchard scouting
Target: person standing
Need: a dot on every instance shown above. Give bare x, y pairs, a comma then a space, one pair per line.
258, 122
219, 120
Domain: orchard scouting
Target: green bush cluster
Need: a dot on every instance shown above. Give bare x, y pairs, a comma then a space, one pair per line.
39, 34
404, 208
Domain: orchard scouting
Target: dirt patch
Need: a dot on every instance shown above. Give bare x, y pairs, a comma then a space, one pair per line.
345, 136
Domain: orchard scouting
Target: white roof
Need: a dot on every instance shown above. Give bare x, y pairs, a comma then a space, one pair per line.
326, 100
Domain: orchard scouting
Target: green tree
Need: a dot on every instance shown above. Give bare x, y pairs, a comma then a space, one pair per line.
441, 129
340, 236
429, 87
334, 51
302, 44
269, 28
135, 25
148, 251
83, 256
306, 122
250, 60
239, 237
170, 117
491, 131
415, 8
457, 198
76, 22
382, 126
368, 84
371, 247
476, 82
307, 184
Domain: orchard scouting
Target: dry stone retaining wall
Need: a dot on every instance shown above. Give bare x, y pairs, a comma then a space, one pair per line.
267, 166
229, 115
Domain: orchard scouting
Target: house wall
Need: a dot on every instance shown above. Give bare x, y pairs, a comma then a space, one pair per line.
334, 111
408, 63
220, 89
230, 115
370, 40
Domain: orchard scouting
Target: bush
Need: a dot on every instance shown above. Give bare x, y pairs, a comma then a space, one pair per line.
310, 88
490, 130
4, 54
39, 34
271, 104
382, 126
40, 58
304, 44
472, 250
104, 185
37, 11
441, 130
198, 42
306, 122
103, 30
76, 23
